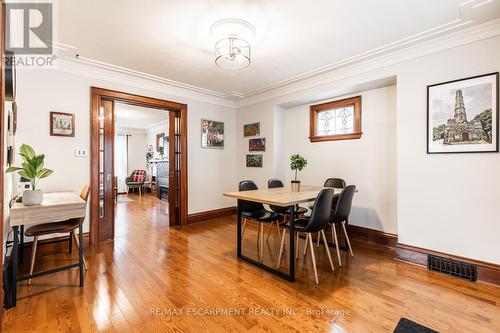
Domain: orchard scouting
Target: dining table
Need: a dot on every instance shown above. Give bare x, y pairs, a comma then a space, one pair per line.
55, 207
283, 197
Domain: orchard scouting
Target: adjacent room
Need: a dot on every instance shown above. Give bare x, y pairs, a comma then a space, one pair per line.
250, 166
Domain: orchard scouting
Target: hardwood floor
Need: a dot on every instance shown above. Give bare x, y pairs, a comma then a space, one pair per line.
153, 278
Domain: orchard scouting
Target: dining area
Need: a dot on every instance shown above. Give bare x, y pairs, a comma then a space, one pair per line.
278, 225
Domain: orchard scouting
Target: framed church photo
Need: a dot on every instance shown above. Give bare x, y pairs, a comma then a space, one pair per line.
462, 115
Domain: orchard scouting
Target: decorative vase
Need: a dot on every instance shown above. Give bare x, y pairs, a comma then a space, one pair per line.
32, 198
295, 185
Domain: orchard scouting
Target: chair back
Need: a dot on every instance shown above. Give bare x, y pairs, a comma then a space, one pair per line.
248, 206
139, 175
335, 182
320, 215
274, 183
344, 204
84, 194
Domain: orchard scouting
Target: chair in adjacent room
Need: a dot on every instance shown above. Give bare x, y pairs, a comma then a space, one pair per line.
340, 215
317, 222
69, 226
255, 211
136, 180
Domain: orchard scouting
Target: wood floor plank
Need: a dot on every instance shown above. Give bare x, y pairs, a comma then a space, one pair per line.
153, 278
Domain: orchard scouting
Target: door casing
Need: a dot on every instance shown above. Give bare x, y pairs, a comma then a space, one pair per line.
97, 96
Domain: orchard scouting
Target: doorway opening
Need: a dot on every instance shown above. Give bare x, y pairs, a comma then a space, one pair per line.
122, 169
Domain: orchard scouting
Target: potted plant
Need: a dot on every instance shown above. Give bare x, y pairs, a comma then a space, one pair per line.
297, 163
33, 170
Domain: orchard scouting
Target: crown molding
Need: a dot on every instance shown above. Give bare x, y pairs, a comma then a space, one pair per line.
135, 79
455, 39
458, 32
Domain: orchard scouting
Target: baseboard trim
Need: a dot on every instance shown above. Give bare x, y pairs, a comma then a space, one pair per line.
372, 236
486, 272
211, 214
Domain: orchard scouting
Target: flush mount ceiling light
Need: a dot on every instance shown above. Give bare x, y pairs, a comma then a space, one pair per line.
232, 47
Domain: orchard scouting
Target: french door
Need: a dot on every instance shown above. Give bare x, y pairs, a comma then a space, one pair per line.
106, 170
102, 207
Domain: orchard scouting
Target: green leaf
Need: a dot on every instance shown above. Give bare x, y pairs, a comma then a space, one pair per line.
27, 151
12, 169
45, 173
23, 174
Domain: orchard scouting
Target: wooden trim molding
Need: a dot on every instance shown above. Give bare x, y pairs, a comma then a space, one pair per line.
315, 109
212, 214
372, 236
486, 272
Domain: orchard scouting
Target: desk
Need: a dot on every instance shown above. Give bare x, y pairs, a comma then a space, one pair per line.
55, 207
284, 197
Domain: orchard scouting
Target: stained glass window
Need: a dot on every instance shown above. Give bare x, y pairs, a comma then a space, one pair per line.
338, 120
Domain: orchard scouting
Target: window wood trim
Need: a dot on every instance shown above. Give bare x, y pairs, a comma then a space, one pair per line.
314, 109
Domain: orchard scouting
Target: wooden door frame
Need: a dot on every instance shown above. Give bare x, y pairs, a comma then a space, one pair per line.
2, 143
97, 94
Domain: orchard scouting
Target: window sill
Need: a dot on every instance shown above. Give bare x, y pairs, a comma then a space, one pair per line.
351, 136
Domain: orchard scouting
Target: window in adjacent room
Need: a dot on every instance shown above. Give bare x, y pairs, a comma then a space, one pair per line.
337, 120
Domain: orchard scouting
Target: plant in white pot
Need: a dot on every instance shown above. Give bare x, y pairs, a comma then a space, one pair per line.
297, 163
32, 169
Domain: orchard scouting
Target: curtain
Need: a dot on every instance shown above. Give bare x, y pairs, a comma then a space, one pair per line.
121, 161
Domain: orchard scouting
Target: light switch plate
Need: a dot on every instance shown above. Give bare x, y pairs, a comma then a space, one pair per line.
79, 152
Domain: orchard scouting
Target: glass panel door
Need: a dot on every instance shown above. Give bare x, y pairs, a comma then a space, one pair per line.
106, 171
174, 167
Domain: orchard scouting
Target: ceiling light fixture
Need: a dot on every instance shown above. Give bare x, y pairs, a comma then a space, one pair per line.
232, 47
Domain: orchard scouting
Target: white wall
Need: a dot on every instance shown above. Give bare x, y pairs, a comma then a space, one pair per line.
447, 203
369, 163
42, 91
137, 145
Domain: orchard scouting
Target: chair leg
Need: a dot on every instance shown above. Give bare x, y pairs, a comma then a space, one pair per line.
305, 246
70, 243
78, 247
327, 248
270, 230
334, 236
262, 242
244, 226
283, 235
313, 256
33, 255
317, 241
347, 239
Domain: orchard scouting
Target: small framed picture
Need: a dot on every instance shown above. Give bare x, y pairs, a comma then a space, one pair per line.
62, 124
251, 129
462, 115
212, 134
257, 144
254, 160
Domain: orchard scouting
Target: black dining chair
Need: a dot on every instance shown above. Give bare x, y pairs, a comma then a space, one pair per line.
319, 219
335, 183
340, 215
255, 211
276, 183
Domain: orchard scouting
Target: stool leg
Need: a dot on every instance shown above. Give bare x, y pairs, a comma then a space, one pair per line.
311, 243
327, 248
33, 255
70, 243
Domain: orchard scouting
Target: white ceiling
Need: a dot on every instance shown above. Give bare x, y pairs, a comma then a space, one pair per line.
136, 117
171, 39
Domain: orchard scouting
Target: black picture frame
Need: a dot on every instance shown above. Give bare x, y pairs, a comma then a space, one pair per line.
496, 112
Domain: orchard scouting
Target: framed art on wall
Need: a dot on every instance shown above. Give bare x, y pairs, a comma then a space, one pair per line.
251, 129
462, 115
258, 144
254, 161
212, 134
62, 124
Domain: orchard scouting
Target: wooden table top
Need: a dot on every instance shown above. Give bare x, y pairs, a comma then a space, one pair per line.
280, 196
55, 207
